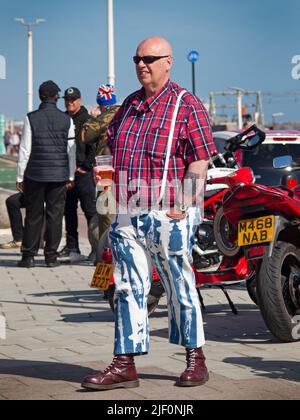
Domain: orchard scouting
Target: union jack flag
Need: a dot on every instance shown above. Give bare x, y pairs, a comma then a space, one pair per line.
106, 90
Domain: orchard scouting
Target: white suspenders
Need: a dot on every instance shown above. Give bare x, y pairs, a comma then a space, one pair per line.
169, 147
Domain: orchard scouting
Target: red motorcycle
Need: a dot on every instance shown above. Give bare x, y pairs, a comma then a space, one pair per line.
266, 225
218, 260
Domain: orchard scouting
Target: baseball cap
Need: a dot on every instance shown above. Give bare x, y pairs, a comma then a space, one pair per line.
72, 93
48, 89
106, 95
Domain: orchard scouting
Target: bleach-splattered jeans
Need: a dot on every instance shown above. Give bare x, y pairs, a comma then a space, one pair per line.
138, 244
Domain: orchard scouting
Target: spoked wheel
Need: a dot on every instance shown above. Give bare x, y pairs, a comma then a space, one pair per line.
225, 235
278, 290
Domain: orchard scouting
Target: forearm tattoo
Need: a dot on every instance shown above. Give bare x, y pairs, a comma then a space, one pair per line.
192, 191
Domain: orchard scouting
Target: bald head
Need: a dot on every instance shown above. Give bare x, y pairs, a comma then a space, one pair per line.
154, 75
156, 44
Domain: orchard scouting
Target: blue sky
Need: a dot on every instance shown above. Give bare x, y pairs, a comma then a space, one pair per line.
247, 44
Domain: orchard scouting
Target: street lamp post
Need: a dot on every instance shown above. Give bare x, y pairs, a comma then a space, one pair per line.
239, 96
240, 109
29, 26
111, 43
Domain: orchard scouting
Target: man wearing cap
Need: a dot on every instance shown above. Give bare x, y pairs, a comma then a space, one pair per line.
84, 190
46, 166
95, 130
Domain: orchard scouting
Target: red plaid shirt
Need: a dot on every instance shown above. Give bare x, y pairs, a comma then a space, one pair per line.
138, 137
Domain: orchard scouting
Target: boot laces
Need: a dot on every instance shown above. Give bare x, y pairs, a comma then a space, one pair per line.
111, 366
191, 360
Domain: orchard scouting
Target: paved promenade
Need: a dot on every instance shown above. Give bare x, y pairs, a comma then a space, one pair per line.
59, 330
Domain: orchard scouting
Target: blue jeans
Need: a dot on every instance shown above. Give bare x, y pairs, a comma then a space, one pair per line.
138, 244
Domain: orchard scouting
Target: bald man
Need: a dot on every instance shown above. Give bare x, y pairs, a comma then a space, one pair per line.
151, 164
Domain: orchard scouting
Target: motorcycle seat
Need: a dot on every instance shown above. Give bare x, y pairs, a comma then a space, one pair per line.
278, 199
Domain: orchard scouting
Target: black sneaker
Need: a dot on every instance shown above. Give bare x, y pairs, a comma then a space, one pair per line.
26, 262
66, 251
52, 263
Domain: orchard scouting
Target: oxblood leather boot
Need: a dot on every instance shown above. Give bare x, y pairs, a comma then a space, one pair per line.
196, 373
120, 374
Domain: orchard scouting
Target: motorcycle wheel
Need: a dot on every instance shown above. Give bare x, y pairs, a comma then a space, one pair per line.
252, 289
278, 291
222, 231
156, 293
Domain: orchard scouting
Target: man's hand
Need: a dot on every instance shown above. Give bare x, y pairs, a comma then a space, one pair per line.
70, 185
96, 176
20, 186
81, 171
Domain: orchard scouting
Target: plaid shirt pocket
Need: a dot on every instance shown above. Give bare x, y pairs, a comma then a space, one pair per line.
157, 143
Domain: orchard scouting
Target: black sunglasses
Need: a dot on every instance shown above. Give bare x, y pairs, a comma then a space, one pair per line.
148, 59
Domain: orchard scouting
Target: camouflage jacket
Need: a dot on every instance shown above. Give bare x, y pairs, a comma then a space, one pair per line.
94, 131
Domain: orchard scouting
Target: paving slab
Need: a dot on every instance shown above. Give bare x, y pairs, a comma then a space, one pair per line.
59, 331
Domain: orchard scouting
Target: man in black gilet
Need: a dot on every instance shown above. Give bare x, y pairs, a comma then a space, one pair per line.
46, 168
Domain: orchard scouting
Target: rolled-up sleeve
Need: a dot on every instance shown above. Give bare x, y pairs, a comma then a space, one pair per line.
25, 150
199, 142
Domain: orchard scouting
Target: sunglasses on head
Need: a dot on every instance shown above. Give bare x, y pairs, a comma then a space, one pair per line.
148, 59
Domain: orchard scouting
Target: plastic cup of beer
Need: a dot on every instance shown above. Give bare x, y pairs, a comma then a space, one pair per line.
106, 172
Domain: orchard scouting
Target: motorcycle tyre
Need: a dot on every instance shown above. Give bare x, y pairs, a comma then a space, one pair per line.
269, 292
233, 252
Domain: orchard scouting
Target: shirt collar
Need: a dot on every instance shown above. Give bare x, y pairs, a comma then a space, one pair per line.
141, 105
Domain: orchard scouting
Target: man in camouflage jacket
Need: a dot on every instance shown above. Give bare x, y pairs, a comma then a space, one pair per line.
94, 133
